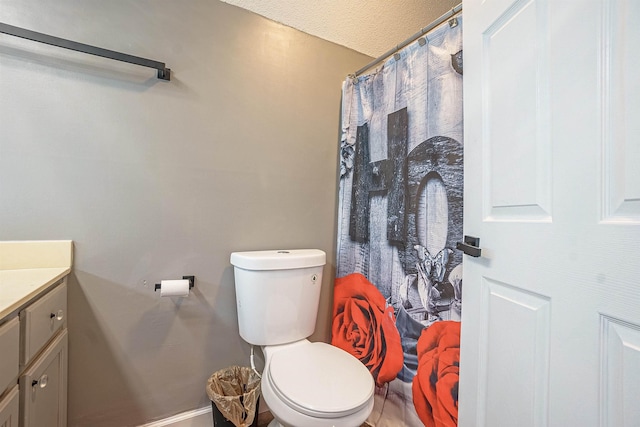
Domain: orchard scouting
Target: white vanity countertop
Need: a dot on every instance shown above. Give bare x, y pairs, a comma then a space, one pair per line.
30, 268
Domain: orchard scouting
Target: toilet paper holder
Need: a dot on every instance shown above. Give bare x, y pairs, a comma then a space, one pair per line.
191, 279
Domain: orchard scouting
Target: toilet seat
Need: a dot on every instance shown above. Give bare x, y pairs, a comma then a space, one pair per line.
320, 380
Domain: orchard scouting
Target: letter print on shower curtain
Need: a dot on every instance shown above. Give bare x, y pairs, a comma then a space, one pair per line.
397, 295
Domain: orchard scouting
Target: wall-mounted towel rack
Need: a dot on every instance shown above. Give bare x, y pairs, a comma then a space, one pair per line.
164, 73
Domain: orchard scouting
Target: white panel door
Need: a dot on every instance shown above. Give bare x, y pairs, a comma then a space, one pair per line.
551, 318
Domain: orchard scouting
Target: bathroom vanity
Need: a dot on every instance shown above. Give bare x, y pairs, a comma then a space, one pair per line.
33, 332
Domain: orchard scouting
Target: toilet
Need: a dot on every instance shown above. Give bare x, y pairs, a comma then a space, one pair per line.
304, 384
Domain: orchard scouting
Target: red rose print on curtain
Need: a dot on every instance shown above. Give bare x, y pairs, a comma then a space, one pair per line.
365, 327
435, 386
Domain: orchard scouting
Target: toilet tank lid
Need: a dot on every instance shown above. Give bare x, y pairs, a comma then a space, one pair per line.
279, 259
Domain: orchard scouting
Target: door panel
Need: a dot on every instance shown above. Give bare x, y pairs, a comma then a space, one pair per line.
621, 109
550, 328
517, 158
620, 362
520, 318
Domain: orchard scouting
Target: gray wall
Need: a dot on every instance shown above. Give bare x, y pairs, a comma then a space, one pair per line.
154, 180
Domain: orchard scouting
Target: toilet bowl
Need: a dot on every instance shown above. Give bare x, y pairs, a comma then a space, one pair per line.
304, 384
308, 384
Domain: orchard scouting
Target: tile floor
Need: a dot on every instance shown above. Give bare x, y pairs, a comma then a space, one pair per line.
264, 418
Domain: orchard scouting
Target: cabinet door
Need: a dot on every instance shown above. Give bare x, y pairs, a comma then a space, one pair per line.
41, 320
43, 387
9, 409
9, 350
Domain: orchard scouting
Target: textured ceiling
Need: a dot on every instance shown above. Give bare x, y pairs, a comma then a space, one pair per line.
368, 26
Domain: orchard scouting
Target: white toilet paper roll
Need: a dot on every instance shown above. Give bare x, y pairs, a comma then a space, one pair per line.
174, 288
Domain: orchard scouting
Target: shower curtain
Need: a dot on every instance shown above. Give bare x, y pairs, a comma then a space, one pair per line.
397, 294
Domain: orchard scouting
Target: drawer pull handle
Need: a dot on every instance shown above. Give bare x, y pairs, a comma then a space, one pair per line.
44, 379
58, 315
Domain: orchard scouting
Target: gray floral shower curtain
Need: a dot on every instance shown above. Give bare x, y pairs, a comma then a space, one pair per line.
397, 295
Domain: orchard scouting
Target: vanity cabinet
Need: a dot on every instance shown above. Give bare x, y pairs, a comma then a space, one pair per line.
33, 361
33, 332
9, 352
41, 320
9, 406
44, 387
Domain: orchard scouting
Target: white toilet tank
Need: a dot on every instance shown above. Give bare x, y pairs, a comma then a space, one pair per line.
277, 294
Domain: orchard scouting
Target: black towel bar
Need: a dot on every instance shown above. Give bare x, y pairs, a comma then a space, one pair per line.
164, 73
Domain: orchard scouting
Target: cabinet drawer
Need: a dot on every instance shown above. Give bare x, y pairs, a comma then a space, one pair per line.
9, 352
41, 320
43, 387
9, 407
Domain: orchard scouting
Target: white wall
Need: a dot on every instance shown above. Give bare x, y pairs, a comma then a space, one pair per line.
154, 180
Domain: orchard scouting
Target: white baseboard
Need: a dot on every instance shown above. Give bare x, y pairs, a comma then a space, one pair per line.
196, 418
